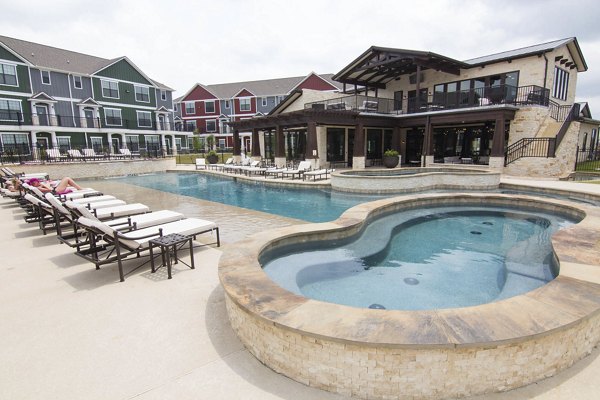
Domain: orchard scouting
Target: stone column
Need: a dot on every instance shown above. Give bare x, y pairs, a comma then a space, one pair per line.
358, 158
499, 139
237, 154
312, 152
54, 143
280, 159
255, 153
173, 145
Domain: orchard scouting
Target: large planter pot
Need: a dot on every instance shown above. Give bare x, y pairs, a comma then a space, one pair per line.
391, 161
212, 159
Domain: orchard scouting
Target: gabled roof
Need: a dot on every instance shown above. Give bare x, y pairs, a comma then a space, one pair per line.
267, 87
89, 102
180, 99
43, 96
571, 44
54, 58
584, 110
162, 108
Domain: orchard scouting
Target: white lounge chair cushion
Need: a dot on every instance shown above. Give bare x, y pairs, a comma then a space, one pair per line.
148, 219
121, 211
93, 199
54, 202
104, 204
79, 193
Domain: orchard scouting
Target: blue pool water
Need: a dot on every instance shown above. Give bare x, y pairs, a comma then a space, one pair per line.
425, 259
311, 205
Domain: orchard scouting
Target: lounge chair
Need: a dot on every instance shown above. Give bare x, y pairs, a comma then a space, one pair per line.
125, 152
90, 154
108, 245
221, 166
274, 172
201, 163
40, 212
317, 174
108, 212
54, 154
302, 168
9, 173
75, 154
253, 168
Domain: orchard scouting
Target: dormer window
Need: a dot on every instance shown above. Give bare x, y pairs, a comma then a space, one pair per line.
46, 77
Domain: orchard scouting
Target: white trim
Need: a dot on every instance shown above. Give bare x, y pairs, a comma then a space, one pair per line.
152, 84
24, 94
42, 77
110, 81
80, 81
91, 138
135, 93
108, 103
241, 90
227, 104
264, 101
16, 72
63, 137
137, 115
216, 125
182, 98
120, 116
14, 53
249, 103
185, 103
162, 91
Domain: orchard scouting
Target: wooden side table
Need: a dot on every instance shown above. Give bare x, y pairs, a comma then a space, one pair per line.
169, 244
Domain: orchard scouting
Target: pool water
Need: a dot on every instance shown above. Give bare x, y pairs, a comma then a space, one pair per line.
312, 205
443, 257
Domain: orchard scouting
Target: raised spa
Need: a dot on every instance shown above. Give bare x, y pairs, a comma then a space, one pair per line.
408, 180
374, 353
435, 258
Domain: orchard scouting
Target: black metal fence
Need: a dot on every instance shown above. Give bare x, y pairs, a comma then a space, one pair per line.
24, 153
530, 147
588, 160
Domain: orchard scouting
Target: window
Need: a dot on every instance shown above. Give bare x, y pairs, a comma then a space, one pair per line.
152, 143
209, 107
132, 142
163, 95
142, 94
244, 104
227, 104
10, 110
222, 144
280, 99
190, 107
178, 144
211, 125
96, 142
144, 119
63, 142
113, 116
110, 89
8, 75
190, 126
16, 143
264, 101
45, 77
561, 84
176, 107
77, 84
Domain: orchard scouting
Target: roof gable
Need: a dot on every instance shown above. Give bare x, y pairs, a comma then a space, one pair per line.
124, 69
43, 96
314, 82
89, 102
6, 53
244, 93
198, 92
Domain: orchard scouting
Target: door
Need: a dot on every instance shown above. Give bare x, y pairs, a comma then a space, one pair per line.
161, 122
42, 114
115, 145
89, 118
42, 146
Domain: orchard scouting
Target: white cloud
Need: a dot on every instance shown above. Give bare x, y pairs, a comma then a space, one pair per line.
182, 42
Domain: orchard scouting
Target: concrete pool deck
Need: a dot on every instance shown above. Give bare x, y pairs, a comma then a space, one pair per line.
73, 332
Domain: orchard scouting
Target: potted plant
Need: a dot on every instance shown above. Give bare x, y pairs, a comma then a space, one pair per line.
212, 157
391, 158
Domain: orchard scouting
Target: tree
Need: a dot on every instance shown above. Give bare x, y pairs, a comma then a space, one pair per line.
210, 142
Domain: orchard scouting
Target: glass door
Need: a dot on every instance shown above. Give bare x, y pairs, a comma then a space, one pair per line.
42, 114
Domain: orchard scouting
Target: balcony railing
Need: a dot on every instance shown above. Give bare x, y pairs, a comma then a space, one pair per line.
70, 121
505, 94
24, 153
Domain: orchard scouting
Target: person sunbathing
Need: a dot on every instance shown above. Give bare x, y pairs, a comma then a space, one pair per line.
63, 187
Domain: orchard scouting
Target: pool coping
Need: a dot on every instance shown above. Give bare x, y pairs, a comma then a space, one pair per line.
569, 299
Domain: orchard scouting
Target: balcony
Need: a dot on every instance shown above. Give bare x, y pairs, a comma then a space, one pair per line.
70, 121
480, 97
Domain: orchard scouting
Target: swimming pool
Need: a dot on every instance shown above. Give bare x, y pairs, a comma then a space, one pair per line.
425, 259
308, 204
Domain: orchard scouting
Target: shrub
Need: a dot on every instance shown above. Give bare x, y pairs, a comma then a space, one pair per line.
391, 153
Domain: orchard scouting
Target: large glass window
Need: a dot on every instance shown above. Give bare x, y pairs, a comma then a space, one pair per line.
110, 89
10, 110
561, 84
132, 142
190, 126
142, 94
144, 119
113, 116
8, 75
374, 144
209, 107
336, 144
244, 104
152, 143
63, 142
190, 107
96, 142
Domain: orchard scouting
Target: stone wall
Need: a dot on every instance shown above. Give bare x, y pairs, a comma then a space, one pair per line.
98, 169
382, 372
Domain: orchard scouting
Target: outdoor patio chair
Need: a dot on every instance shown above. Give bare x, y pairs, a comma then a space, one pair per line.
90, 154
317, 174
221, 166
302, 168
109, 245
54, 154
109, 212
201, 163
125, 152
40, 212
75, 154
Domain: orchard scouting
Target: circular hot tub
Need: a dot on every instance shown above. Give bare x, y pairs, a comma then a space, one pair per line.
425, 354
408, 180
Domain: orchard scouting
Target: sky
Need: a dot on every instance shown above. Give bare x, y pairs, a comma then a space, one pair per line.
180, 43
